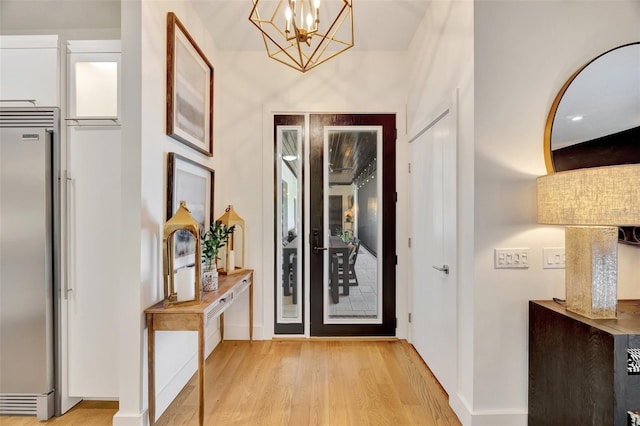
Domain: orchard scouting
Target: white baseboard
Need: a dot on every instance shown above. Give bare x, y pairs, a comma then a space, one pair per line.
485, 418
131, 419
499, 419
461, 409
241, 332
211, 340
168, 393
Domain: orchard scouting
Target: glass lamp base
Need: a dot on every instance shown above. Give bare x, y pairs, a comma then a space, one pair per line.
592, 270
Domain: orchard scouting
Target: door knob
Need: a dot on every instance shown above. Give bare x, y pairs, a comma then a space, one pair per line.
443, 268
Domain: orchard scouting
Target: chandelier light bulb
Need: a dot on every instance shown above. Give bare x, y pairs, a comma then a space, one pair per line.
287, 16
309, 21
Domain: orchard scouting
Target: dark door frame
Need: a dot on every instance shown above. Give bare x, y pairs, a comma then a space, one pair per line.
389, 199
288, 328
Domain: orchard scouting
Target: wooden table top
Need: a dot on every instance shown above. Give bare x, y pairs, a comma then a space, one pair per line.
627, 322
225, 285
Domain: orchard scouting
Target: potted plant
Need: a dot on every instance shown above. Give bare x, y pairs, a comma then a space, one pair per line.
212, 241
345, 235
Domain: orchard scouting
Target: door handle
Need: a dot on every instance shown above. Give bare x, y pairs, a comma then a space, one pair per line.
443, 268
317, 247
70, 235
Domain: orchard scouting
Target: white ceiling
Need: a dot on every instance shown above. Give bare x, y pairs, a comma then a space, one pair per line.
383, 25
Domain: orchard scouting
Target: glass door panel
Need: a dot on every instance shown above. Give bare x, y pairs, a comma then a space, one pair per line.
289, 239
352, 224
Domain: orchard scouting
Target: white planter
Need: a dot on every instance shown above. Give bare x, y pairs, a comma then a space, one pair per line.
210, 279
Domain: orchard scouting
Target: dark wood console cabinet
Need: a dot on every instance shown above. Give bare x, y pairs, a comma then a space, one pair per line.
578, 367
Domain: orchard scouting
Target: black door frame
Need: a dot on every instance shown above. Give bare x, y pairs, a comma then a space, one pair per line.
288, 328
389, 199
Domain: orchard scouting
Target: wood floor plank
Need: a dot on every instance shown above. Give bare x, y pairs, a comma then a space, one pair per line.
297, 383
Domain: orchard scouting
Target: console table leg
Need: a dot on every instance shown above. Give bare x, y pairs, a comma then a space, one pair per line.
222, 326
251, 312
152, 370
201, 373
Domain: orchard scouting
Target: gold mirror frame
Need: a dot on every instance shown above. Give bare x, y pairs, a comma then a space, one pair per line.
628, 235
548, 157
548, 161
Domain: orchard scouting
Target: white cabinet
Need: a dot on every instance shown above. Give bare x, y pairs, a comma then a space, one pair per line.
29, 71
93, 205
94, 79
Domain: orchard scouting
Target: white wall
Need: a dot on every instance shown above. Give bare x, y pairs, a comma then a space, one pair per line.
442, 61
519, 70
523, 53
254, 87
144, 55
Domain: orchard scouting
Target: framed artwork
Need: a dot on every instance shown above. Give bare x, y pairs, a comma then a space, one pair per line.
192, 183
189, 89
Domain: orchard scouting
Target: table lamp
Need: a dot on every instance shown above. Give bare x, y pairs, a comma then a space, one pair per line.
593, 202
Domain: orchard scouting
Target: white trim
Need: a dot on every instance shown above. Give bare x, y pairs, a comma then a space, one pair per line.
499, 418
486, 417
269, 110
94, 46
133, 419
241, 332
166, 395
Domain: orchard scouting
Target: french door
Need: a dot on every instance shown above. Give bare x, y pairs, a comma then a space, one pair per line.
335, 227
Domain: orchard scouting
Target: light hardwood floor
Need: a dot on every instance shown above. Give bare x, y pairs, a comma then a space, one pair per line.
299, 383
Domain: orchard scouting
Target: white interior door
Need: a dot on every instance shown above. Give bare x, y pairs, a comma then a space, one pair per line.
433, 245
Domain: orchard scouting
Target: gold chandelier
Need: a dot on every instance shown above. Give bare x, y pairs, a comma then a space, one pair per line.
291, 34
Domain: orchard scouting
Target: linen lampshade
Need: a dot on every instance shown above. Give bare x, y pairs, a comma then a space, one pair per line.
594, 202
596, 196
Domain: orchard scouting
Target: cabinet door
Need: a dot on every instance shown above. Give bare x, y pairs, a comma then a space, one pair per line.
92, 222
29, 70
94, 80
93, 228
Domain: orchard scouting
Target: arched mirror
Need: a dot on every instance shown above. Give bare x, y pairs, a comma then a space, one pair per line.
595, 118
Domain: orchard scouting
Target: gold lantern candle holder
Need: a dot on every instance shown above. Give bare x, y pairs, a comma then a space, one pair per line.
182, 282
234, 249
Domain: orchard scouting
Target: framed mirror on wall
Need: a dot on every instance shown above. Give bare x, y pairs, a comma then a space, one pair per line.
595, 118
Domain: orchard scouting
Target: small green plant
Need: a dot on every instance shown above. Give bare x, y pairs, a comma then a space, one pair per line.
213, 240
345, 235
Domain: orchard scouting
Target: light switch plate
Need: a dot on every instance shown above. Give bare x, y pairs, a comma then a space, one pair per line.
553, 257
509, 258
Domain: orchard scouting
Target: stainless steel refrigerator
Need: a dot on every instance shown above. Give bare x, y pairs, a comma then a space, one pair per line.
29, 258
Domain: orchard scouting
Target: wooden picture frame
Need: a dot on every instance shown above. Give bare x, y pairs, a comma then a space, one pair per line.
193, 183
189, 114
